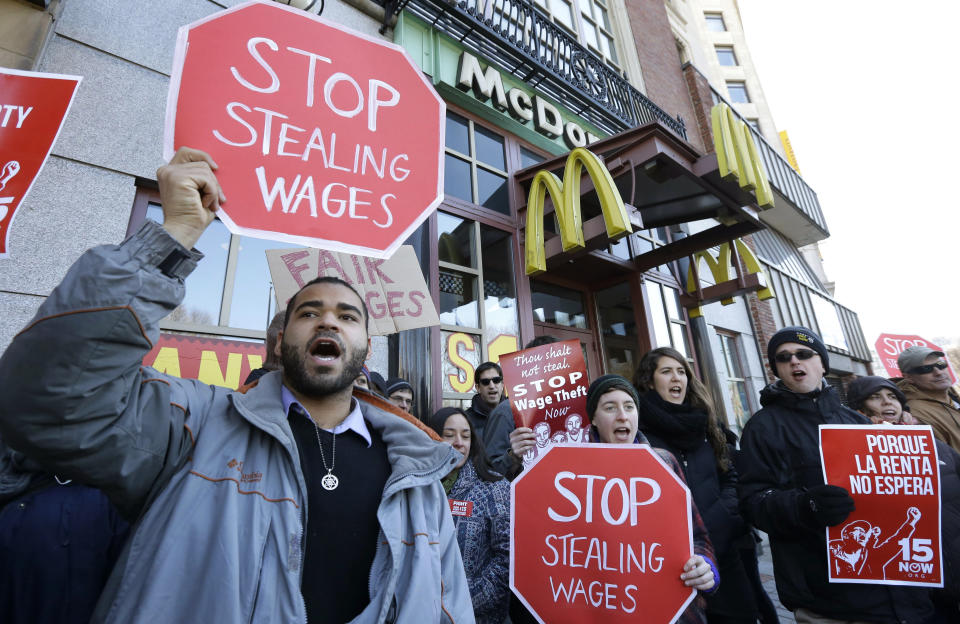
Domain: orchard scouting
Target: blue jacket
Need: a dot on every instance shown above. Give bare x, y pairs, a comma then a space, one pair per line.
216, 540
484, 539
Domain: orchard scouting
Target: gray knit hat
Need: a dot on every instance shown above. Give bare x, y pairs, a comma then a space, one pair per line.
603, 385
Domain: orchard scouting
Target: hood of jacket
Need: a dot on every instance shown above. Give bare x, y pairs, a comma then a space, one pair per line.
412, 449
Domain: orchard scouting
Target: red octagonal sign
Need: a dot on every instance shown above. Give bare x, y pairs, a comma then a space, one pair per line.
323, 137
600, 533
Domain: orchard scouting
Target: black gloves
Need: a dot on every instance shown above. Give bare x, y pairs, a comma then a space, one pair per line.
826, 505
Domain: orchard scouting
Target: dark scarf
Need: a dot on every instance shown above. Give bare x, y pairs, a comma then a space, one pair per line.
682, 426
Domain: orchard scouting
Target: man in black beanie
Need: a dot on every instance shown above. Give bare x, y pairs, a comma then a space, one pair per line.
782, 491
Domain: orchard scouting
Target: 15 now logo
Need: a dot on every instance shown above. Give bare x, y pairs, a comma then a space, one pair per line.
917, 556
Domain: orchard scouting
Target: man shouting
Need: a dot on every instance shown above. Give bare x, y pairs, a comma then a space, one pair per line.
294, 501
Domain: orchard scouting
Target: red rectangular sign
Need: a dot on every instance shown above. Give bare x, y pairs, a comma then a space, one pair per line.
547, 386
893, 535
32, 111
210, 360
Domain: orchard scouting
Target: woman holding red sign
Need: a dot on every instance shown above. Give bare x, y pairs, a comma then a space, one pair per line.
612, 404
480, 504
677, 415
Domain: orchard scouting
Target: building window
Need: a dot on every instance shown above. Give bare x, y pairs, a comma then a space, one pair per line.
755, 124
230, 293
588, 21
726, 56
736, 380
715, 22
669, 324
738, 92
475, 166
478, 301
618, 329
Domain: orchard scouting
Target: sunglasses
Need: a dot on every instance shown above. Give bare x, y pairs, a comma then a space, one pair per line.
927, 368
802, 354
490, 380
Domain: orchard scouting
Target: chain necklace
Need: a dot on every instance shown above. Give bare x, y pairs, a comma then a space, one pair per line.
329, 480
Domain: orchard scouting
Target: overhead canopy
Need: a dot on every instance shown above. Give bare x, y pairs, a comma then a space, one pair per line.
663, 181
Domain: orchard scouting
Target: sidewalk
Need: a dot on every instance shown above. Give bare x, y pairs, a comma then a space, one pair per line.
766, 575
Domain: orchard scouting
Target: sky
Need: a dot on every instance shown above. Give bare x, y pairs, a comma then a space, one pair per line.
868, 92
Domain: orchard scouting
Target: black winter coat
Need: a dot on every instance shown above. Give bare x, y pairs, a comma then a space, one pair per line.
682, 430
950, 523
779, 461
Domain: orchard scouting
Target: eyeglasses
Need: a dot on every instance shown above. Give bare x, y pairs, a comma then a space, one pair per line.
927, 368
490, 380
802, 354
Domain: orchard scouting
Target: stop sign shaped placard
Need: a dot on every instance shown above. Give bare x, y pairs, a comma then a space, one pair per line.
323, 137
600, 533
890, 346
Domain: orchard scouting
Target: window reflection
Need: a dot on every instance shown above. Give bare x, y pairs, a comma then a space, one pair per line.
455, 240
490, 148
204, 287
558, 305
493, 191
253, 303
458, 133
458, 299
619, 330
456, 178
500, 302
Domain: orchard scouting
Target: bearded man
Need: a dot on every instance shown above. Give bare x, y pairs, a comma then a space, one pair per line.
296, 500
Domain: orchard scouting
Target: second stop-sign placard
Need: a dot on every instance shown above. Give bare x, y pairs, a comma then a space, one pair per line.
600, 533
323, 136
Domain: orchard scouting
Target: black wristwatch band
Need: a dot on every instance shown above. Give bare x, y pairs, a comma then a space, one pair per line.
172, 262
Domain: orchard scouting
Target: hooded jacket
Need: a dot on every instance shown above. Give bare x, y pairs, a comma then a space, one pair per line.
779, 461
929, 410
212, 475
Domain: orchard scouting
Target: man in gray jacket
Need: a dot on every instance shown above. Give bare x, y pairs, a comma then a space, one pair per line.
293, 500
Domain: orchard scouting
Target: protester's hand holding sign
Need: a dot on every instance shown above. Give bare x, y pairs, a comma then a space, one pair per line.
190, 194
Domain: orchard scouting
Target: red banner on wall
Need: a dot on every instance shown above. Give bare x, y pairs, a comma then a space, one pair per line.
210, 360
32, 109
893, 535
547, 386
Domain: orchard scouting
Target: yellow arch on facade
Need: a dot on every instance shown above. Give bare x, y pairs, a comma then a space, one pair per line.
566, 202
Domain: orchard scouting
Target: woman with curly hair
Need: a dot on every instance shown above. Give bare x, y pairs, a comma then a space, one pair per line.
677, 415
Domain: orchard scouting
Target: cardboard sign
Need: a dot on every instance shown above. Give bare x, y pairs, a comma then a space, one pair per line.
396, 294
32, 109
212, 361
893, 475
600, 533
460, 508
890, 346
547, 386
324, 137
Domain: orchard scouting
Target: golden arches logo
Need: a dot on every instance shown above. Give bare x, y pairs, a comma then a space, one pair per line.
737, 154
566, 203
720, 268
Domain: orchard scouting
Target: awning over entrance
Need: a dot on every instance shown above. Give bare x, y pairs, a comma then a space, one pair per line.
663, 182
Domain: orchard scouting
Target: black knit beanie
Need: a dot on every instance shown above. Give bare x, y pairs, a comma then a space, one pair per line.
603, 385
799, 335
396, 383
862, 387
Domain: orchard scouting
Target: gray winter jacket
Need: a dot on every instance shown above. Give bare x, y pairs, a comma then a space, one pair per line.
212, 475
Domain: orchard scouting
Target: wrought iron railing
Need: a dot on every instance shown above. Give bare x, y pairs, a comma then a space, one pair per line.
521, 39
782, 176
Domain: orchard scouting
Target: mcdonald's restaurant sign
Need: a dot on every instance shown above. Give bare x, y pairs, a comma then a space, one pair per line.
720, 267
566, 203
737, 156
